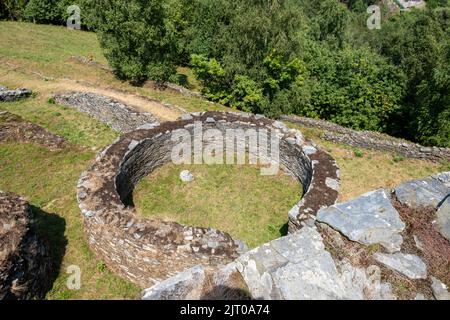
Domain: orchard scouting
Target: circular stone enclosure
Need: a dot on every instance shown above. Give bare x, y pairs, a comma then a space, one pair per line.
148, 251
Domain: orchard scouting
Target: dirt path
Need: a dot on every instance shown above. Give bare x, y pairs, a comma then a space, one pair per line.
36, 82
159, 110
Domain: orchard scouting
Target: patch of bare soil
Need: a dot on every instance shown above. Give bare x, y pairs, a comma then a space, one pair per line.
15, 129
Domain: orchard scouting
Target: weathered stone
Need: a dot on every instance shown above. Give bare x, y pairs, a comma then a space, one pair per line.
443, 177
15, 129
119, 116
359, 284
420, 296
425, 192
371, 140
418, 242
186, 285
407, 264
332, 183
256, 266
310, 272
443, 218
440, 290
148, 251
25, 261
369, 219
309, 150
242, 246
186, 116
186, 176
148, 126
13, 95
299, 267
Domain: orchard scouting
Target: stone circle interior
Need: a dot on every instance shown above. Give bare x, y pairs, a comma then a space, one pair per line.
146, 251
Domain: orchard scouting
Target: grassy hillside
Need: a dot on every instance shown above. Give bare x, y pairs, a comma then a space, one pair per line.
40, 58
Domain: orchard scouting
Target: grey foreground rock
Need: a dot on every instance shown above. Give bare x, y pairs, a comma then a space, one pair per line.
186, 116
407, 264
186, 176
117, 115
420, 296
440, 290
424, 192
186, 285
443, 218
369, 219
13, 95
298, 267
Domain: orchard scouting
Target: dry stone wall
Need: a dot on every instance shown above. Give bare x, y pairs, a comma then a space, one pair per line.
117, 115
24, 260
149, 251
13, 95
372, 140
330, 257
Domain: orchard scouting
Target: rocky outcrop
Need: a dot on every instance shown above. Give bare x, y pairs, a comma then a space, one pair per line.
371, 140
369, 219
426, 192
440, 290
13, 95
147, 251
186, 285
24, 260
117, 115
337, 257
296, 267
407, 264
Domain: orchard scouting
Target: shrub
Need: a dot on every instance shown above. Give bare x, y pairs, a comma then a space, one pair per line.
42, 11
135, 39
12, 9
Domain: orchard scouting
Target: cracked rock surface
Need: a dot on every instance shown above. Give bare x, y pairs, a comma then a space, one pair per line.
369, 219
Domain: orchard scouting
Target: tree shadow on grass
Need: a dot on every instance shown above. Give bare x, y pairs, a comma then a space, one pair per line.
50, 228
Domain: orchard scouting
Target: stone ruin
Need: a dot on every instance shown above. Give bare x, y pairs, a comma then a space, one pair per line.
381, 245
148, 252
15, 129
24, 259
7, 95
371, 140
113, 113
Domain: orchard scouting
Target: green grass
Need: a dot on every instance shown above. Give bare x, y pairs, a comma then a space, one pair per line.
231, 198
76, 127
46, 49
363, 170
44, 52
48, 180
234, 199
